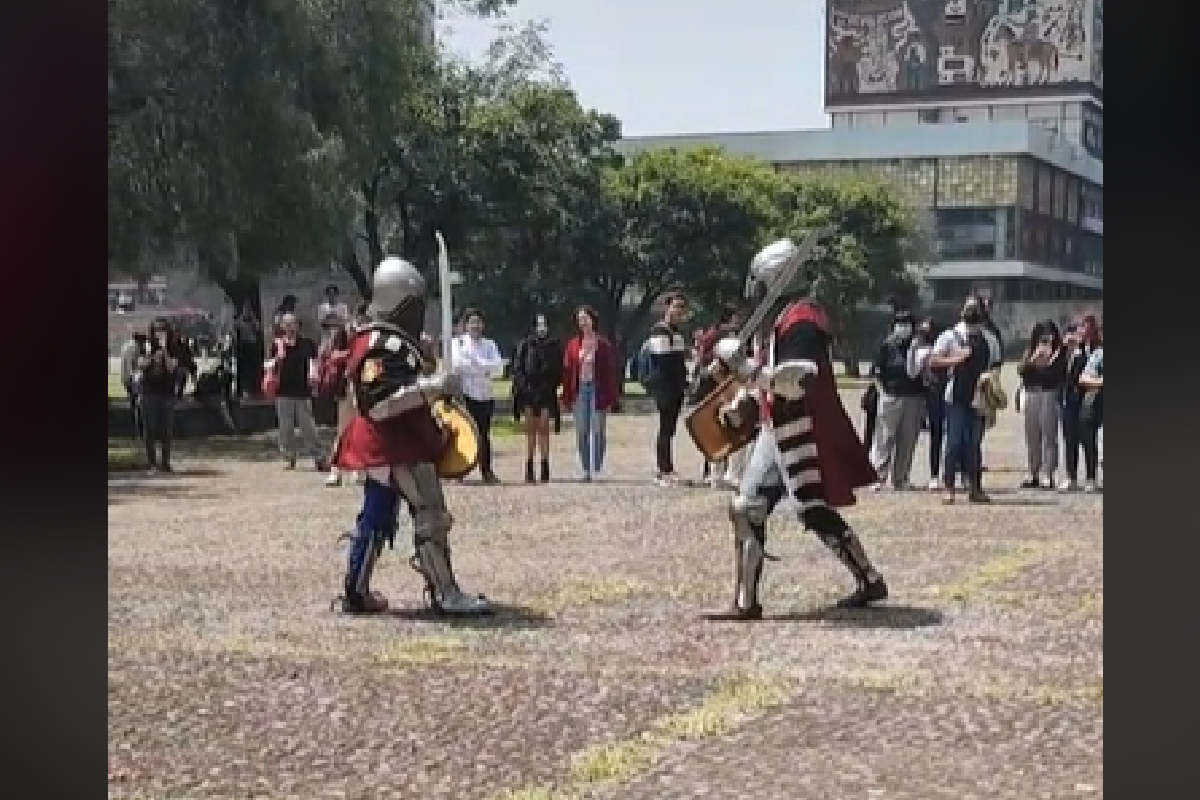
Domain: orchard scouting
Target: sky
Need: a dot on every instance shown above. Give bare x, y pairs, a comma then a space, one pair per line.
681, 66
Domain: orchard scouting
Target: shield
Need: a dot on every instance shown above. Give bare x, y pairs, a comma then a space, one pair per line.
463, 454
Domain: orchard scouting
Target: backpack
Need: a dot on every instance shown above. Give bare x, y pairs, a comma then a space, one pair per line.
643, 367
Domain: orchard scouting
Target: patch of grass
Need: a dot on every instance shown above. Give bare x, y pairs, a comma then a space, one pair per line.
617, 761
434, 649
1045, 694
992, 573
735, 697
589, 591
125, 456
883, 681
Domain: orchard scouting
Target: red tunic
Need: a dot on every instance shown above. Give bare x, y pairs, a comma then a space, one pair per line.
414, 437
841, 456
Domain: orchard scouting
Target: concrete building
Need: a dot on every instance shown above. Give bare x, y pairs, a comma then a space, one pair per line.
988, 116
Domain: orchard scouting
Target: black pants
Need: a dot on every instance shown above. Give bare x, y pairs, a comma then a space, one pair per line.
936, 408
158, 413
1080, 434
669, 407
249, 369
482, 412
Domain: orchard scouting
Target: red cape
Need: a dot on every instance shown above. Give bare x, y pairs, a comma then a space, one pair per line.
840, 453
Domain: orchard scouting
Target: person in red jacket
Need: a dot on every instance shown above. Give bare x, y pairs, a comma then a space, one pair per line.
590, 389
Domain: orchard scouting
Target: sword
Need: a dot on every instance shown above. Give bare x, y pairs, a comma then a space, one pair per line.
445, 276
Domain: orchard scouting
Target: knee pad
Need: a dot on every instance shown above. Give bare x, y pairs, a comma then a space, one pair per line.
751, 510
824, 521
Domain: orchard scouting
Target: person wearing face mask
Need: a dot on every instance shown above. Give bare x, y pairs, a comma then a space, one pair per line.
477, 361
537, 375
900, 406
966, 354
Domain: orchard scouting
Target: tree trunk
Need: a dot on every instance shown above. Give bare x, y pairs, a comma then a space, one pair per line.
349, 264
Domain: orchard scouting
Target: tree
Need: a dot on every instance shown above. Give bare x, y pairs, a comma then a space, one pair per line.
867, 260
685, 219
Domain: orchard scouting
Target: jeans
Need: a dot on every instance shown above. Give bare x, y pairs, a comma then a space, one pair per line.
589, 430
936, 406
293, 413
158, 415
481, 411
669, 409
964, 436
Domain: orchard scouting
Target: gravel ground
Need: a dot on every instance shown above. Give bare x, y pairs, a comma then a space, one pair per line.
229, 677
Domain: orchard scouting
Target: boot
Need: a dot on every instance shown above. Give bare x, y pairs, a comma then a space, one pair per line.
369, 603
441, 587
529, 477
871, 586
545, 476
748, 563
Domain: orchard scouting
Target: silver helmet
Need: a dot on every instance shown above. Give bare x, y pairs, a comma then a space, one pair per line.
398, 295
767, 264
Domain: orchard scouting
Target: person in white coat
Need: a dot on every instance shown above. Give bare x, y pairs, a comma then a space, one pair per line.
477, 361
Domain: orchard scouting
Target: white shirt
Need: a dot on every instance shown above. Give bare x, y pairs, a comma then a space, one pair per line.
477, 361
992, 342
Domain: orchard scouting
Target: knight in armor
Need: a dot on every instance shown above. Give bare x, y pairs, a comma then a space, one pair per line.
395, 439
806, 446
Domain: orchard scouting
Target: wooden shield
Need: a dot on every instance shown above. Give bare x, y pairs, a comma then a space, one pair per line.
463, 454
714, 440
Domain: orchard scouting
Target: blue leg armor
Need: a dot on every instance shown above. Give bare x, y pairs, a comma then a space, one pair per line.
376, 525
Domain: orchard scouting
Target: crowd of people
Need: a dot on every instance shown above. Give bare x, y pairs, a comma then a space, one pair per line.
945, 383
949, 384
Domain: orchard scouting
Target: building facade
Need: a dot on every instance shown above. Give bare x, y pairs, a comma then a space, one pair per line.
1016, 212
899, 62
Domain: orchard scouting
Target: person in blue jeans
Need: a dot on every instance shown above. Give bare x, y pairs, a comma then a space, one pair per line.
966, 354
590, 389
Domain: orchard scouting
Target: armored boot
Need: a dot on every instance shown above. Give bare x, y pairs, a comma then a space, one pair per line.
748, 515
871, 587
432, 561
748, 563
357, 598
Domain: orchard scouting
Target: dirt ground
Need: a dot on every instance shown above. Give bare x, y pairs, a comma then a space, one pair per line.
599, 676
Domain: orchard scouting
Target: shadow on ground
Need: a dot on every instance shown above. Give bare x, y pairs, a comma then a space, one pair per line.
502, 617
880, 617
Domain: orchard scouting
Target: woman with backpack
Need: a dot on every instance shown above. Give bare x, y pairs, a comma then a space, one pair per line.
537, 374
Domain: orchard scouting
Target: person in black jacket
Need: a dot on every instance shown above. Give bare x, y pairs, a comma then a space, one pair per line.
668, 381
160, 367
901, 405
537, 373
1043, 371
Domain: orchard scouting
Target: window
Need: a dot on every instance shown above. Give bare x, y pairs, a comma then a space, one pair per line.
1026, 185
1045, 189
929, 115
1060, 195
1073, 201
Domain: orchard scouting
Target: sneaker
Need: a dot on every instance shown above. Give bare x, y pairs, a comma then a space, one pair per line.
978, 496
529, 476
585, 477
1068, 486
290, 463
877, 487
1091, 487
934, 485
1031, 483
334, 479
903, 487
321, 464
664, 481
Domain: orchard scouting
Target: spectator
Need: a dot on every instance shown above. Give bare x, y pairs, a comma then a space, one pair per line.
966, 353
160, 370
934, 382
332, 314
333, 387
477, 359
294, 360
188, 368
590, 388
901, 404
1081, 343
537, 373
131, 375
248, 351
995, 361
286, 306
1043, 370
668, 381
1091, 416
215, 391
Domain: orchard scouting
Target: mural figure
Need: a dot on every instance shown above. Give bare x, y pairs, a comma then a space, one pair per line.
882, 46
